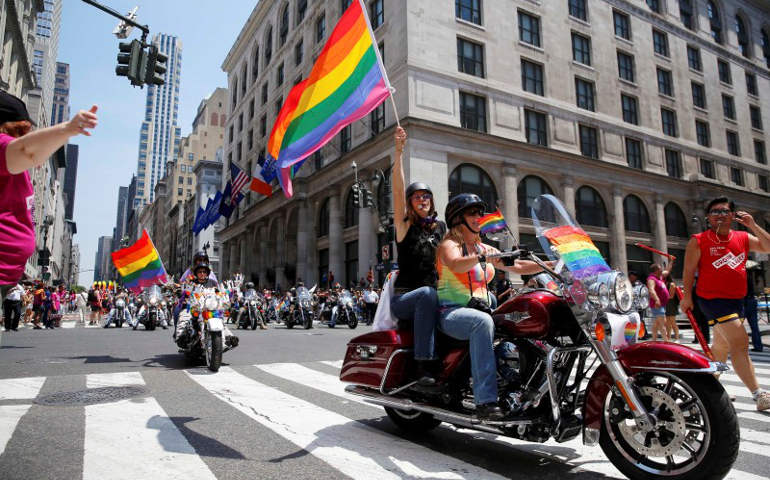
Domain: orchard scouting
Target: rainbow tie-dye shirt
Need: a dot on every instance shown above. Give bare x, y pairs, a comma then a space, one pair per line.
454, 289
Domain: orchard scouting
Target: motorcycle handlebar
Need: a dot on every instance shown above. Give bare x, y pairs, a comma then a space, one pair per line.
514, 254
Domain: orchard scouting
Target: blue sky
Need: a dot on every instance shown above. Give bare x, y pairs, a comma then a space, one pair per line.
108, 158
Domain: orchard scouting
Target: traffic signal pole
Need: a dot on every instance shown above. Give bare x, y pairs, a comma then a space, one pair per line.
144, 28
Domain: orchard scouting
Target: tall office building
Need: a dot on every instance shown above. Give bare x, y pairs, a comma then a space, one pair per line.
159, 136
44, 61
60, 111
70, 180
103, 260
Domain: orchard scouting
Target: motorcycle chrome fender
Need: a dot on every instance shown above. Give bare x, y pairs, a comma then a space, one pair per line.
640, 357
215, 324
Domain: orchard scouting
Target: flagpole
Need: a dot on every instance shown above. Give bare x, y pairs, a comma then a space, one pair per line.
379, 59
156, 251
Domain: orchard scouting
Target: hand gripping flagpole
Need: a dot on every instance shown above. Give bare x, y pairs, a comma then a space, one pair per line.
379, 59
698, 334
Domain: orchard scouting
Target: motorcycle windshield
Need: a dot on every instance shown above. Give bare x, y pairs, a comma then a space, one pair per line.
562, 238
251, 294
153, 292
346, 296
303, 294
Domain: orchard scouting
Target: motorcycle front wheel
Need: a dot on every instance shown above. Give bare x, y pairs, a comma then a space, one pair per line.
308, 321
696, 435
213, 350
150, 325
352, 320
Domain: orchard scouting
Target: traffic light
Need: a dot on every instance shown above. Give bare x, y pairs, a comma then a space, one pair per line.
129, 60
368, 198
154, 66
356, 196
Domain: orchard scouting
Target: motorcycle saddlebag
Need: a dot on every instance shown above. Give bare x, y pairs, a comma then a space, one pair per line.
375, 355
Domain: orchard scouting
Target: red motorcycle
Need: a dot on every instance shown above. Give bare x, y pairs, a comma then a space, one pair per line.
568, 363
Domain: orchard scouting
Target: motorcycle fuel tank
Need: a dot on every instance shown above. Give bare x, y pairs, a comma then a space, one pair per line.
373, 355
529, 314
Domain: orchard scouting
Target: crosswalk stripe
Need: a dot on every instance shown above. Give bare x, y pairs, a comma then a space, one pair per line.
334, 438
15, 389
311, 378
333, 363
134, 438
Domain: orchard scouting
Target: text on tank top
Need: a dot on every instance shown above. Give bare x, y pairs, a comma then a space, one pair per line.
722, 265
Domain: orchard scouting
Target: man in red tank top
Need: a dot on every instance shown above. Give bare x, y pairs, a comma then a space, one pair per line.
719, 255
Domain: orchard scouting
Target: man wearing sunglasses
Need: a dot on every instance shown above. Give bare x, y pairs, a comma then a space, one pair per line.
719, 255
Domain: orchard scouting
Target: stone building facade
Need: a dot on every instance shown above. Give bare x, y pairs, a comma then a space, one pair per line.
633, 113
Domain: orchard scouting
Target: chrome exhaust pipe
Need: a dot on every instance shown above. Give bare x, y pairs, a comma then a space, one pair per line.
459, 419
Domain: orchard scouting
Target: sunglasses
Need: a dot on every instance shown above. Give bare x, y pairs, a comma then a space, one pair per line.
720, 212
475, 212
422, 196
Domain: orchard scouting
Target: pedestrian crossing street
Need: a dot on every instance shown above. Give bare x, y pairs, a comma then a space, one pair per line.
279, 419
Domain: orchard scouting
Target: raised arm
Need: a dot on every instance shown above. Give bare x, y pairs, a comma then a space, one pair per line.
760, 241
399, 189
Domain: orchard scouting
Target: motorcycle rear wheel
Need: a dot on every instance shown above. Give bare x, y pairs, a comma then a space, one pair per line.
697, 438
213, 350
412, 420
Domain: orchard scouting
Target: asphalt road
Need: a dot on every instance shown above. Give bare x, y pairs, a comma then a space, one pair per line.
276, 410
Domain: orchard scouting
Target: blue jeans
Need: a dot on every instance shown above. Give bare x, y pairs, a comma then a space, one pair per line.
750, 311
421, 305
469, 324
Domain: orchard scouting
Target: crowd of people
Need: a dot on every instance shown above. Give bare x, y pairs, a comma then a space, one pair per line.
36, 304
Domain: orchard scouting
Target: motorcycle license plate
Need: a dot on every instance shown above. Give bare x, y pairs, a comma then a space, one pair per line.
215, 324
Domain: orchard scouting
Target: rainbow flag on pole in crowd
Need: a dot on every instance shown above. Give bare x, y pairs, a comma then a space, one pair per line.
346, 83
139, 265
492, 222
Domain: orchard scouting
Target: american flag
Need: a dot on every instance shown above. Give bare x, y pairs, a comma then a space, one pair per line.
240, 180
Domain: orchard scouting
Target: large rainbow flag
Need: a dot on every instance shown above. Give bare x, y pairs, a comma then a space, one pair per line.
346, 83
139, 265
578, 252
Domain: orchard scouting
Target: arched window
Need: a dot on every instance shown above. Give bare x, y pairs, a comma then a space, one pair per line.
469, 178
589, 208
676, 224
766, 47
743, 36
301, 9
283, 29
244, 78
268, 45
529, 189
714, 21
686, 14
635, 216
351, 212
255, 64
323, 219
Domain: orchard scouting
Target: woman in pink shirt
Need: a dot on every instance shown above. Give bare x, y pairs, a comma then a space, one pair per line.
21, 150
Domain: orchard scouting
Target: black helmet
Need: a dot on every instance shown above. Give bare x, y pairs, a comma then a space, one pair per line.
200, 256
459, 203
416, 186
204, 265
249, 285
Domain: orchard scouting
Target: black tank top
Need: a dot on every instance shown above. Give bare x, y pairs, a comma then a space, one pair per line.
417, 257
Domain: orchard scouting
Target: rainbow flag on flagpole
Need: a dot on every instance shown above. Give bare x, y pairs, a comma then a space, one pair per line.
492, 222
139, 265
346, 83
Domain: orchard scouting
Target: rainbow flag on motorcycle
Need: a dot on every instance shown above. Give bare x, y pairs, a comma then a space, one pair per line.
139, 264
346, 83
492, 222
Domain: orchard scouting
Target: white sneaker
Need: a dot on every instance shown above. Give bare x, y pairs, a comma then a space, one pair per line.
763, 401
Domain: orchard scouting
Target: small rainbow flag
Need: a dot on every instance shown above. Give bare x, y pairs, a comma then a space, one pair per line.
578, 252
346, 83
139, 265
492, 222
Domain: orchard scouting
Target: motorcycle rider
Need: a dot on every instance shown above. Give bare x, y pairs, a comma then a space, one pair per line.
120, 295
189, 274
249, 286
144, 310
202, 279
334, 297
464, 299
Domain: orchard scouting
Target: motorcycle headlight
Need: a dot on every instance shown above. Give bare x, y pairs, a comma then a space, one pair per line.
120, 303
253, 302
622, 293
211, 302
163, 303
642, 297
599, 294
153, 301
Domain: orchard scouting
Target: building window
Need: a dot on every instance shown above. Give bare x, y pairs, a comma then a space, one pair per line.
634, 153
762, 183
676, 223
654, 5
535, 128
724, 72
323, 268
766, 46
255, 65
468, 178
665, 82
590, 208
268, 45
589, 142
622, 25
532, 77
630, 109
743, 37
529, 189
673, 164
584, 92
351, 212
345, 139
686, 14
529, 29
351, 262
707, 168
668, 121
251, 139
344, 4
698, 95
263, 126
320, 28
581, 49
470, 57
693, 58
264, 93
283, 30
736, 175
733, 143
279, 75
759, 152
468, 10
473, 112
756, 117
381, 48
376, 13
251, 110
728, 106
278, 105
626, 66
298, 52
715, 24
751, 84
301, 9
703, 133
231, 133
323, 219
660, 42
377, 119
318, 160
635, 216
577, 9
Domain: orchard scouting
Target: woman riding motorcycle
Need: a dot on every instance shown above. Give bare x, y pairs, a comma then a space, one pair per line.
464, 299
418, 233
